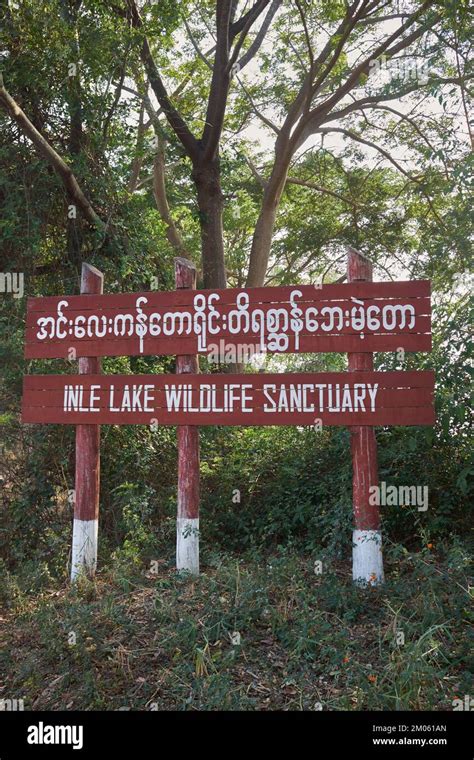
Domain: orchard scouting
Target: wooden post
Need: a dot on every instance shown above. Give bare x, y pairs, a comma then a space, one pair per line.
367, 561
187, 523
86, 502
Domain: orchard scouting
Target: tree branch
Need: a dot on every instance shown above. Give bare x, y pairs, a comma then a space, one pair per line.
256, 111
219, 88
374, 99
381, 19
403, 117
320, 189
159, 192
260, 36
315, 117
260, 179
385, 154
248, 18
196, 46
137, 159
115, 102
370, 144
54, 159
175, 119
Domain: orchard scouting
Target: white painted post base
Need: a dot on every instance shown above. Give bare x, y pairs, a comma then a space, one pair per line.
367, 560
84, 548
187, 544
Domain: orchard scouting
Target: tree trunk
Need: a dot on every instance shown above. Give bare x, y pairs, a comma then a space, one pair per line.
263, 234
161, 200
211, 203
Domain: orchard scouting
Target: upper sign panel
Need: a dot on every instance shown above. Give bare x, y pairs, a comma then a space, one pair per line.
361, 316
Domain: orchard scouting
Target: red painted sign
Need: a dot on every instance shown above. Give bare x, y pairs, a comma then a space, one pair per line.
357, 316
334, 398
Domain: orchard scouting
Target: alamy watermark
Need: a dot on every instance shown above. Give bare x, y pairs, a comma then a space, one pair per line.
47, 734
466, 703
399, 496
12, 705
405, 69
12, 282
236, 353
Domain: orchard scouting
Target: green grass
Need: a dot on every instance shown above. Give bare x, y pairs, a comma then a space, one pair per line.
307, 641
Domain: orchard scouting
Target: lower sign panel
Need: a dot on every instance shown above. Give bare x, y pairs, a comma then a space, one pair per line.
333, 398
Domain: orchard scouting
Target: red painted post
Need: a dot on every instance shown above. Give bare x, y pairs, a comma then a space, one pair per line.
187, 523
367, 561
86, 502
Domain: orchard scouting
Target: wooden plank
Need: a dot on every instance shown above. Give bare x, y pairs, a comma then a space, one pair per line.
356, 398
178, 345
386, 379
395, 289
290, 319
422, 304
420, 415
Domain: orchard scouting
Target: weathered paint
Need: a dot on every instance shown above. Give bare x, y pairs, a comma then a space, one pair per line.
367, 560
86, 504
187, 544
84, 548
187, 521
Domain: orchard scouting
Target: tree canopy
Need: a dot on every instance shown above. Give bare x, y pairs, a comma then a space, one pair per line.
220, 127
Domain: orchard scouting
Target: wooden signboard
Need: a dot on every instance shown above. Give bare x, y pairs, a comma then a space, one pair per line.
357, 316
335, 398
